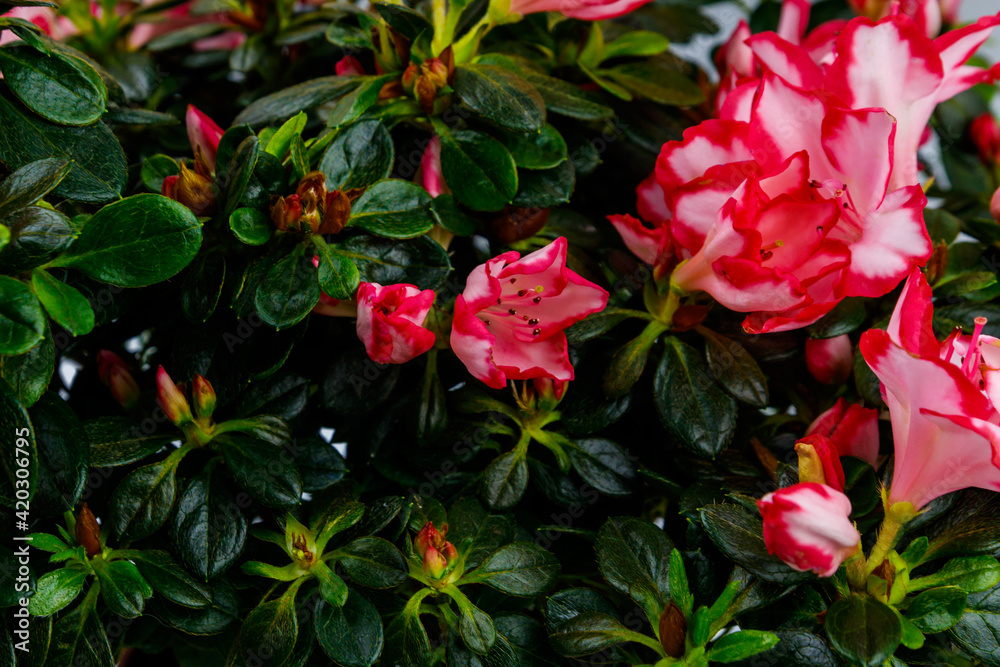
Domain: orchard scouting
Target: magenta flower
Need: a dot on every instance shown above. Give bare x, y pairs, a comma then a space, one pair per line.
830, 360
429, 175
204, 135
852, 428
942, 399
510, 319
587, 10
808, 526
390, 321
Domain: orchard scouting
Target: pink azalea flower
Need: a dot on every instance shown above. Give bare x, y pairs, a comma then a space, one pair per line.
852, 428
830, 360
174, 19
587, 10
349, 66
942, 399
52, 24
927, 14
808, 526
204, 135
821, 450
510, 319
985, 133
390, 321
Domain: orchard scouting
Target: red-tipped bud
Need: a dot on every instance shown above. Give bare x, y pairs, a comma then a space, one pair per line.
349, 66
88, 532
435, 563
204, 397
115, 375
286, 213
169, 187
410, 77
985, 133
449, 552
830, 360
436, 71
428, 537
172, 401
204, 134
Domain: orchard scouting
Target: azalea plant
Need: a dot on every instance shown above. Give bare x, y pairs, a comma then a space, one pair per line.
499, 332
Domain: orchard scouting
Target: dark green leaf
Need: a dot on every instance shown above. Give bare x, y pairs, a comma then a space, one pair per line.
78, 638
63, 303
29, 374
289, 290
286, 103
799, 648
477, 168
20, 451
588, 633
118, 441
544, 188
203, 285
268, 635
262, 470
238, 173
972, 574
862, 629
978, 631
208, 530
604, 465
143, 500
541, 150
170, 580
251, 226
519, 568
735, 369
421, 261
212, 619
350, 635
373, 562
691, 405
136, 242
657, 81
37, 235
938, 609
505, 480
566, 99
500, 96
22, 320
63, 456
739, 645
394, 209
31, 182
446, 213
634, 557
59, 87
122, 587
55, 590
359, 156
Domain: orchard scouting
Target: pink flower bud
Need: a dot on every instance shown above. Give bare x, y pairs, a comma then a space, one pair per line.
169, 187
349, 66
172, 401
985, 133
435, 564
427, 537
390, 321
995, 205
430, 176
819, 462
830, 360
115, 375
808, 526
204, 135
204, 397
852, 429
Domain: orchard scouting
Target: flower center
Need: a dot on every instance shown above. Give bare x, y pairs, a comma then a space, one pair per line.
969, 362
516, 307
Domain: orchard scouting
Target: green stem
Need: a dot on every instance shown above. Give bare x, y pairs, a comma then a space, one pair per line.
888, 533
857, 574
439, 17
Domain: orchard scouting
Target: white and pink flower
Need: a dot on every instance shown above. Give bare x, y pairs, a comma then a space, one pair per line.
509, 322
943, 399
391, 319
587, 10
852, 428
808, 526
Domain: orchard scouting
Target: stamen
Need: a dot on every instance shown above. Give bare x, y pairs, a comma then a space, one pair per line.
536, 332
950, 350
522, 292
537, 299
512, 311
973, 355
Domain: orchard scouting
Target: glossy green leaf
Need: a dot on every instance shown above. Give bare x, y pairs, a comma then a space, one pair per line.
500, 96
394, 209
862, 629
22, 320
477, 168
143, 500
289, 290
63, 303
55, 590
59, 87
31, 182
350, 635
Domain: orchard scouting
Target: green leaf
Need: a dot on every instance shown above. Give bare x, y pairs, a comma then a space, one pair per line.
540, 150
500, 96
634, 557
63, 303
394, 209
477, 168
740, 645
354, 104
475, 625
350, 635
937, 609
799, 648
29, 374
519, 568
347, 37
505, 480
63, 456
544, 188
99, 169
203, 284
136, 242
566, 99
862, 629
289, 101
338, 275
604, 465
251, 226
155, 169
588, 633
978, 631
22, 320
20, 451
846, 316
447, 214
170, 580
407, 642
143, 500
289, 290
59, 87
739, 534
263, 472
268, 635
691, 405
122, 587
407, 21
55, 590
31, 182
208, 530
281, 140
373, 562
78, 638
239, 172
680, 593
972, 574
37, 235
636, 43
359, 156
657, 81
735, 369
118, 441
223, 611
942, 226
420, 261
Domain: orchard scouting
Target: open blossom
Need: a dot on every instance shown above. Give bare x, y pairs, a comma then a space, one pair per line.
390, 321
509, 322
852, 428
587, 10
830, 360
52, 24
927, 14
808, 526
942, 398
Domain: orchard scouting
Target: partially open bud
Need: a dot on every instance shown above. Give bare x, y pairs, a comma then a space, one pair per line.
171, 400
349, 66
428, 537
312, 195
819, 462
985, 133
88, 532
204, 397
436, 72
435, 563
191, 189
115, 375
204, 135
549, 392
410, 76
300, 543
286, 213
336, 211
437, 554
673, 631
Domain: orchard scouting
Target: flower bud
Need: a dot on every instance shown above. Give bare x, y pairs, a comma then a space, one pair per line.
428, 537
995, 205
819, 462
410, 77
435, 563
425, 91
830, 360
673, 631
549, 392
336, 211
169, 187
852, 429
436, 72
115, 375
349, 66
204, 135
312, 190
194, 191
171, 400
204, 397
88, 532
429, 175
985, 133
286, 212
808, 526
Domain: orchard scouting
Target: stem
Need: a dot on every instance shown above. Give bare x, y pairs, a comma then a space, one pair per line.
857, 575
888, 533
439, 16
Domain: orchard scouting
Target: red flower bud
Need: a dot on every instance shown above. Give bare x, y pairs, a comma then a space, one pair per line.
995, 205
830, 360
115, 375
171, 400
428, 537
434, 563
204, 397
985, 133
286, 212
88, 533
